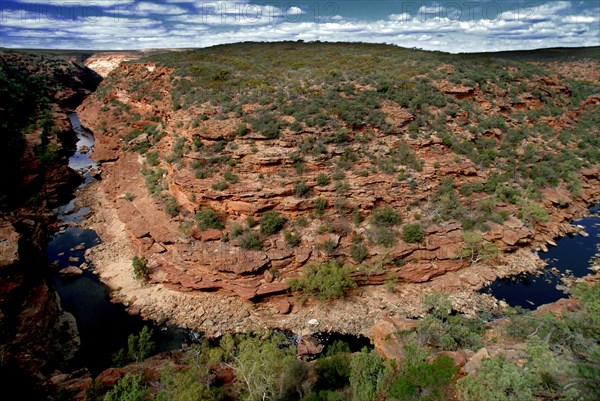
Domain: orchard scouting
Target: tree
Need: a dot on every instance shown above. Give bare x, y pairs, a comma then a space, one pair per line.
497, 380
265, 369
139, 347
129, 388
325, 281
366, 375
477, 249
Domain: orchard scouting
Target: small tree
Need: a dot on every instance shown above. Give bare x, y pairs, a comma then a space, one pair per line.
477, 249
141, 271
413, 233
271, 222
325, 281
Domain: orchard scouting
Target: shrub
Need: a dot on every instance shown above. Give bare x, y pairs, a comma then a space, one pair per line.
139, 347
152, 158
291, 238
500, 379
129, 197
301, 190
322, 179
366, 375
422, 380
129, 388
268, 124
141, 271
320, 205
383, 236
444, 330
324, 281
385, 217
251, 221
220, 186
207, 218
413, 233
171, 206
358, 249
271, 222
249, 240
332, 372
230, 177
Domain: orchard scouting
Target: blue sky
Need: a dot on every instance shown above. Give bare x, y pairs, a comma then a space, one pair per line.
452, 26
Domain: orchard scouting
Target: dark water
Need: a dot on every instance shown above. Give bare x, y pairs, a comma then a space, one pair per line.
571, 256
103, 326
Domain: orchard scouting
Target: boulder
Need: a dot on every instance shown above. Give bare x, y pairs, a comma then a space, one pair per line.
309, 346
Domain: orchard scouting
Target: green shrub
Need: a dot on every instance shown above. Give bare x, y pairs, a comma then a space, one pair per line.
441, 329
302, 190
497, 379
320, 205
251, 222
139, 347
170, 205
413, 233
422, 380
383, 236
367, 373
291, 238
249, 240
322, 179
230, 177
271, 222
358, 250
385, 217
141, 271
332, 372
207, 218
325, 281
268, 124
152, 158
129, 388
220, 186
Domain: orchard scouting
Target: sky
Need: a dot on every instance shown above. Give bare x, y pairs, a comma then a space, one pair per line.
446, 25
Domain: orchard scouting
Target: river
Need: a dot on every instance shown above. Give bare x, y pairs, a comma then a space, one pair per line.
103, 326
569, 259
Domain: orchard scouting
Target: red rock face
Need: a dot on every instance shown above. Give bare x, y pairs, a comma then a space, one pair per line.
213, 259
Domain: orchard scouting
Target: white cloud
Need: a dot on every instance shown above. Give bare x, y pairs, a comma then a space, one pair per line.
169, 24
294, 11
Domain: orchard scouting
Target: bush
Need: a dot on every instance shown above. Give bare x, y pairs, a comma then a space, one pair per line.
268, 124
413, 233
332, 372
497, 379
220, 186
139, 347
152, 158
249, 240
422, 380
383, 236
291, 238
129, 388
358, 249
444, 330
385, 217
322, 179
141, 271
324, 281
207, 218
271, 222
301, 190
366, 375
320, 205
171, 206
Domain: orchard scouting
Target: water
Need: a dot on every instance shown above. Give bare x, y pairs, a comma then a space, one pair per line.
103, 326
571, 257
